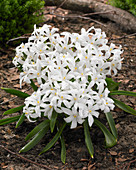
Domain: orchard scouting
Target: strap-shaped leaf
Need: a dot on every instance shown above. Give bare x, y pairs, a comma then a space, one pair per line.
54, 140
111, 124
35, 140
88, 140
111, 84
21, 119
33, 86
42, 125
63, 149
53, 120
9, 120
124, 107
109, 138
16, 92
13, 110
128, 93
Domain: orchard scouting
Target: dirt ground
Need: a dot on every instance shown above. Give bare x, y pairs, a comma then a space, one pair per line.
121, 156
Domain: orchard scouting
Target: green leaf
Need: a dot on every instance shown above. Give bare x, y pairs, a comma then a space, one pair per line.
9, 120
53, 120
13, 110
35, 140
111, 124
21, 119
42, 125
124, 107
128, 93
109, 138
33, 86
54, 140
88, 140
111, 84
16, 92
63, 149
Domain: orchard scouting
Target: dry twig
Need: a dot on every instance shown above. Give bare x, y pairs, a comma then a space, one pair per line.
17, 38
78, 16
60, 5
28, 160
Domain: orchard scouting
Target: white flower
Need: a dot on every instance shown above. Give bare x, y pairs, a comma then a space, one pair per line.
71, 70
90, 111
74, 117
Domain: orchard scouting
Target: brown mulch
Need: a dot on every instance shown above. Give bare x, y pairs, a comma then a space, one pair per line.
121, 156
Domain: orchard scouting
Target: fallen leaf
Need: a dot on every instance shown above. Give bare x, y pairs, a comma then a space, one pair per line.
131, 150
83, 160
113, 153
4, 167
17, 85
91, 166
11, 168
122, 159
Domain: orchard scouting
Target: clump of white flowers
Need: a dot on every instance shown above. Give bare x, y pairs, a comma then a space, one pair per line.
70, 69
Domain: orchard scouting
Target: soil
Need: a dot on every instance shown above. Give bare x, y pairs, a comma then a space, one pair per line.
121, 156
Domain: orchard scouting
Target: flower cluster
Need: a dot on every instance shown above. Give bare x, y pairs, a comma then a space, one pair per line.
70, 69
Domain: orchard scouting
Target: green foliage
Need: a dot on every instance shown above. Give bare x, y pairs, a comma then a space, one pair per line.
129, 5
18, 17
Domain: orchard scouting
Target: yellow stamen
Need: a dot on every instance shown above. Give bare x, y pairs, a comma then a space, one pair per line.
75, 68
64, 78
63, 56
38, 74
38, 102
23, 46
91, 42
50, 106
75, 98
101, 69
55, 94
61, 97
53, 42
64, 48
82, 74
76, 38
50, 33
90, 111
33, 63
110, 49
95, 78
107, 103
101, 96
26, 113
75, 116
58, 67
86, 57
40, 50
100, 37
16, 56
51, 88
113, 64
99, 55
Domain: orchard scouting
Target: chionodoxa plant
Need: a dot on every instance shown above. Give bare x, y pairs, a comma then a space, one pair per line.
68, 73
